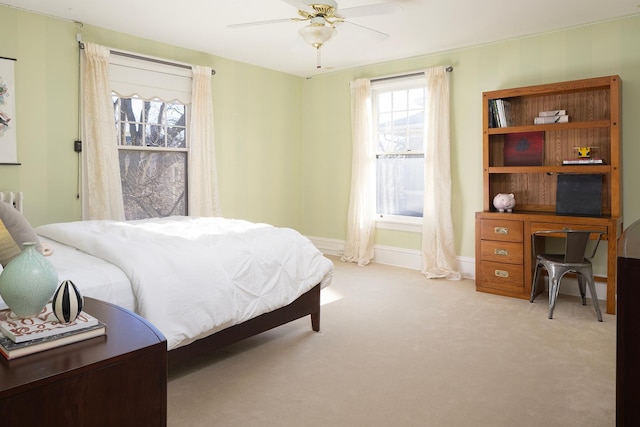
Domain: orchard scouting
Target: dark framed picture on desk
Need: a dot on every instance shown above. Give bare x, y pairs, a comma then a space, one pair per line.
579, 195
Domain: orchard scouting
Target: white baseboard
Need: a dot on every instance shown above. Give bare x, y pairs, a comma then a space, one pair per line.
412, 259
391, 255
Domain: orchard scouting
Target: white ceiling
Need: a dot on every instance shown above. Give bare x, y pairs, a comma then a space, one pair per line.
422, 27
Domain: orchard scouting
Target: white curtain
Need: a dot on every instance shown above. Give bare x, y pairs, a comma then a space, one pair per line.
360, 221
438, 243
204, 199
102, 190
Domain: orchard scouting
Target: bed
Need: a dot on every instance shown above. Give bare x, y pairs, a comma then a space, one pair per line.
203, 282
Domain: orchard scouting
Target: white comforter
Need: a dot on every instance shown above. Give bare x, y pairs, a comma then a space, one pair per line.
194, 276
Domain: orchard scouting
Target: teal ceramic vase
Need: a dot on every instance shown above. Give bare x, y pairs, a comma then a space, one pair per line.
28, 282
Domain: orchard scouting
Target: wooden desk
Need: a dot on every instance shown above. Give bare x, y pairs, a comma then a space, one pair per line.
115, 380
504, 257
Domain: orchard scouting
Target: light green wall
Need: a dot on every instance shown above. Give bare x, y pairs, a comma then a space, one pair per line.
589, 51
46, 112
283, 142
258, 122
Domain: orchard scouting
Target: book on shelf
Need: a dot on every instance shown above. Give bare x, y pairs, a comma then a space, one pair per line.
592, 161
12, 350
493, 114
42, 325
552, 113
544, 120
500, 113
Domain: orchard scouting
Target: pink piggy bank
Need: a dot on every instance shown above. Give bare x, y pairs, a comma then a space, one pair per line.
504, 202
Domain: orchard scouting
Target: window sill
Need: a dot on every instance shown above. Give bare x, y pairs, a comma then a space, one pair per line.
410, 224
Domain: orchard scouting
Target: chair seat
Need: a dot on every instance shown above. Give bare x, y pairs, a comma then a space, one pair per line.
559, 259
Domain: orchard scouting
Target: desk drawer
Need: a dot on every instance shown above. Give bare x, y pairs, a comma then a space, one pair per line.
508, 277
509, 252
502, 230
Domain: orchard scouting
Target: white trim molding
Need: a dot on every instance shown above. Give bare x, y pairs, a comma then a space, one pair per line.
391, 255
412, 259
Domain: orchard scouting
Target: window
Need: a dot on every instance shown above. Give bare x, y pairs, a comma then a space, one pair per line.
152, 145
398, 135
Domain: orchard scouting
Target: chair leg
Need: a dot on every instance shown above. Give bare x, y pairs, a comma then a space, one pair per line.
554, 288
581, 287
534, 284
594, 297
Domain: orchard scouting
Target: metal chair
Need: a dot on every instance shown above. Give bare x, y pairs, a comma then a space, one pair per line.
574, 259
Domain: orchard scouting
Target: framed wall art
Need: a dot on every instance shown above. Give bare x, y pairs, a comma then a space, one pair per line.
524, 149
8, 139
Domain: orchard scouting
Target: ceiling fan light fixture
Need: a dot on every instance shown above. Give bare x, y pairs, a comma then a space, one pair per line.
317, 34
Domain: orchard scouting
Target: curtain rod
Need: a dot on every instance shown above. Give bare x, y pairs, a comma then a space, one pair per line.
146, 58
400, 76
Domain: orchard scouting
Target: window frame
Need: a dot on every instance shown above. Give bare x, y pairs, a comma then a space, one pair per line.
390, 221
143, 122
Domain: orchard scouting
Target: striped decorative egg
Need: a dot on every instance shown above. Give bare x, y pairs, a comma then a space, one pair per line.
67, 302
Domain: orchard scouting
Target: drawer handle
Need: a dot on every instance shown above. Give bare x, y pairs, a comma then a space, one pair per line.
501, 230
503, 252
501, 273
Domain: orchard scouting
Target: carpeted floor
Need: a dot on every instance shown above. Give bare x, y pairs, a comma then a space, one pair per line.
396, 349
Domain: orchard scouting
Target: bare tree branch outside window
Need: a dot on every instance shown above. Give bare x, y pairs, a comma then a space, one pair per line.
152, 141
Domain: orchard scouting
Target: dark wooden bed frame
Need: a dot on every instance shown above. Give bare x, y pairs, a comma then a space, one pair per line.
307, 304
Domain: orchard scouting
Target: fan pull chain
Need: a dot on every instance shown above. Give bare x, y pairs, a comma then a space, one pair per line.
318, 64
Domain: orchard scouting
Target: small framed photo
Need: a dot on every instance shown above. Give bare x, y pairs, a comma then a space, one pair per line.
8, 139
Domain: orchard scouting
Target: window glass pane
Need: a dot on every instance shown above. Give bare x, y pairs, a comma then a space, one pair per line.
400, 120
116, 108
130, 134
154, 130
399, 110
400, 185
416, 98
153, 183
131, 109
384, 102
153, 179
415, 119
155, 111
399, 100
129, 115
385, 143
154, 135
176, 137
415, 142
175, 115
384, 122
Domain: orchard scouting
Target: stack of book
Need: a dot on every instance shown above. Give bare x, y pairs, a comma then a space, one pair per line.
549, 117
500, 113
20, 337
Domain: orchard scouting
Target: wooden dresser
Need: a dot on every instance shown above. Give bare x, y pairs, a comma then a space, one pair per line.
115, 380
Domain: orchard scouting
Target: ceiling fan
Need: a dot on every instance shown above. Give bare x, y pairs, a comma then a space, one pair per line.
323, 17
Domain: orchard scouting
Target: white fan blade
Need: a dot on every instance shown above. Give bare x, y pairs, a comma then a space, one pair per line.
252, 24
369, 10
298, 4
357, 30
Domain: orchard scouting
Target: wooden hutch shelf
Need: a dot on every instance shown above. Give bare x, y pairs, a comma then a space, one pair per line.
504, 259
